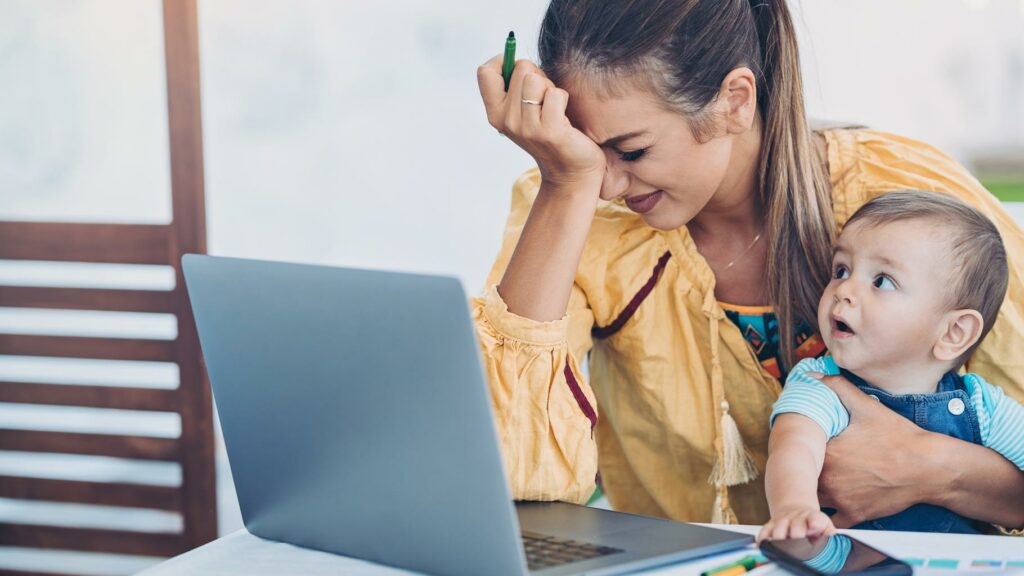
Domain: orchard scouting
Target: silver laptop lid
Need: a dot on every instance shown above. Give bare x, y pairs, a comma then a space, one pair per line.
329, 383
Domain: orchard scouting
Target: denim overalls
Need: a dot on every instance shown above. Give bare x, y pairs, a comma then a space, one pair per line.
948, 411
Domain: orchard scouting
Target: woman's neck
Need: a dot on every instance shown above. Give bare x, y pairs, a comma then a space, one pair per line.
735, 211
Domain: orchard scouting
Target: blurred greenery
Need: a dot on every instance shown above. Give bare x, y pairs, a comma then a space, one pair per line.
1007, 191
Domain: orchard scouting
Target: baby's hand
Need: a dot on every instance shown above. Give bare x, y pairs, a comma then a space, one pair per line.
797, 523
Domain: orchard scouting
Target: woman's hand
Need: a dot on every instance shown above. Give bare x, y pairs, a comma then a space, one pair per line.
565, 155
872, 469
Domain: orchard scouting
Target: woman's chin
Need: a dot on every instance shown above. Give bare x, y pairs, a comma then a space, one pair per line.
664, 221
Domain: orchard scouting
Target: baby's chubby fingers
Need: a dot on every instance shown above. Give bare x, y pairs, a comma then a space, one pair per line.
820, 525
781, 529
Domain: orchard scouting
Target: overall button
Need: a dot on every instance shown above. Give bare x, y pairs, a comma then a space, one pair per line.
955, 406
873, 397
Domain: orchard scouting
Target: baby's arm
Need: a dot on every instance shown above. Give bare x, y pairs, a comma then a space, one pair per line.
796, 452
1001, 419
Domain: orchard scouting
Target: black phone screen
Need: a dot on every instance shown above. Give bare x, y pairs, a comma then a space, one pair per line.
837, 554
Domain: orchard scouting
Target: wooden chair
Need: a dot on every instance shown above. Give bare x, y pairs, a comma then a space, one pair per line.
130, 244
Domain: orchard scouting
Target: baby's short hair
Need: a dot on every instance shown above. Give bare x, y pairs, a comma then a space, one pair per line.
977, 255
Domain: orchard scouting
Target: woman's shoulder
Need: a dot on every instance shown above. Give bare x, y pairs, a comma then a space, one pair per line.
864, 164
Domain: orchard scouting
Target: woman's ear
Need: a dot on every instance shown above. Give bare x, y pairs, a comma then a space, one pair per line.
961, 329
738, 96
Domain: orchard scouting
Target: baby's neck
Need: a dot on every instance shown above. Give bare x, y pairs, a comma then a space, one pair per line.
904, 380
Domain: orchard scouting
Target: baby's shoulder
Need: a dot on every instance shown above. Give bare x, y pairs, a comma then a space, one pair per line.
823, 365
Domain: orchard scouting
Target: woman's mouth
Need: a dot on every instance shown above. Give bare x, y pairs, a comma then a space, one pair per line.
645, 203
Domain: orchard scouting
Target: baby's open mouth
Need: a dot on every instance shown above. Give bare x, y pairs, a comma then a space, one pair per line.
840, 326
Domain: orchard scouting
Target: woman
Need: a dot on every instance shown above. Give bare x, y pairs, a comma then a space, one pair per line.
679, 220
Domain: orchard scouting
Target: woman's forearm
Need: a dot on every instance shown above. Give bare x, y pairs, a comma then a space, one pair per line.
541, 272
973, 481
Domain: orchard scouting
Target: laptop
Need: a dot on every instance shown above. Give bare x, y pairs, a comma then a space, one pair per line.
357, 421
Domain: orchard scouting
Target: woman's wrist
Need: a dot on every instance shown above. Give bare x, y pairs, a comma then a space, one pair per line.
915, 470
542, 270
936, 478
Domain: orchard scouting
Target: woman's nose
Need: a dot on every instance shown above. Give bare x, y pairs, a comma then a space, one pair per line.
615, 183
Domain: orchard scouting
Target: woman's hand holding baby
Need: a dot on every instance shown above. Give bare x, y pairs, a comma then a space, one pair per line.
854, 480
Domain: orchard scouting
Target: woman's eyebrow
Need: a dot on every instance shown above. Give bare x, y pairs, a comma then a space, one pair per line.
613, 142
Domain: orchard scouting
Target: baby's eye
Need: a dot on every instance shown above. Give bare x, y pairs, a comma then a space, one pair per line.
841, 273
883, 282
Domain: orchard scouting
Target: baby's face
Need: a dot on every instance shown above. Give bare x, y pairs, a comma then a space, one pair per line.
885, 302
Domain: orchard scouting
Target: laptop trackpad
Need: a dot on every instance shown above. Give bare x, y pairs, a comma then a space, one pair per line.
569, 520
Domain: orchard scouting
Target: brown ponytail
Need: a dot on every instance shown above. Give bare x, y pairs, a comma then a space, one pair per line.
794, 185
685, 49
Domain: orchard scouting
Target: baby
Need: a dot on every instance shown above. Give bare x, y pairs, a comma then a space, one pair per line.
917, 281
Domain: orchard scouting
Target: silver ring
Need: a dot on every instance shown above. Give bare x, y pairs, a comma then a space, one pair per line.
534, 102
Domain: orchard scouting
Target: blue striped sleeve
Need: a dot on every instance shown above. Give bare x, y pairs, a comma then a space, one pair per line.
811, 398
1000, 418
833, 556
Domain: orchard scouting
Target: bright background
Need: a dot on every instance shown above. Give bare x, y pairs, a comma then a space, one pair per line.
351, 133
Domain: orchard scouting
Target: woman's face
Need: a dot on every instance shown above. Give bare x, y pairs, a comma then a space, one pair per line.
654, 163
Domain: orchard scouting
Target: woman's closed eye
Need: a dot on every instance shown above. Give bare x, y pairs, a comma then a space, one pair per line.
632, 156
884, 282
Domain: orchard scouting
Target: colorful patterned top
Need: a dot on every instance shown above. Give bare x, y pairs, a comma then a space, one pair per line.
760, 328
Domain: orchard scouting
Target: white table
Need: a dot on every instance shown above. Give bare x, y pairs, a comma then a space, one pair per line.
241, 553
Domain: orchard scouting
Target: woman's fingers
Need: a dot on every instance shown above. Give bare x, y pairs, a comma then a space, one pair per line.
492, 90
857, 403
528, 85
552, 114
532, 114
533, 93
503, 107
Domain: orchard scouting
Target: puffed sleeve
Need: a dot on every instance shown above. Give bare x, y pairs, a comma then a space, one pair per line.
544, 407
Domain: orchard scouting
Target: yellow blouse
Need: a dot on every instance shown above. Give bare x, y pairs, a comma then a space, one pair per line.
662, 370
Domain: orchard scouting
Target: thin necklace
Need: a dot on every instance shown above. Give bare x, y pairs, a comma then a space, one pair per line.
744, 253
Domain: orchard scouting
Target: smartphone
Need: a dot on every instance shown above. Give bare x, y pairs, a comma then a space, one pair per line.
837, 554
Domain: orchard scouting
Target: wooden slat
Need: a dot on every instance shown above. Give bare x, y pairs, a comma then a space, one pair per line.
100, 493
88, 299
140, 447
92, 540
82, 347
79, 242
117, 397
184, 114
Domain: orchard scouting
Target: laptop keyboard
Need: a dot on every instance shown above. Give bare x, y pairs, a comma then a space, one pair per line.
544, 551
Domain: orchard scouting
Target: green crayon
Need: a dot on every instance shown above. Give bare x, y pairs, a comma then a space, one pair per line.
509, 63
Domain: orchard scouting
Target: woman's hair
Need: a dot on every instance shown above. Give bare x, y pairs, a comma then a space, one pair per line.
979, 273
683, 50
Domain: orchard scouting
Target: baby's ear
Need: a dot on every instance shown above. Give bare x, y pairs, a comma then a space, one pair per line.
961, 329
